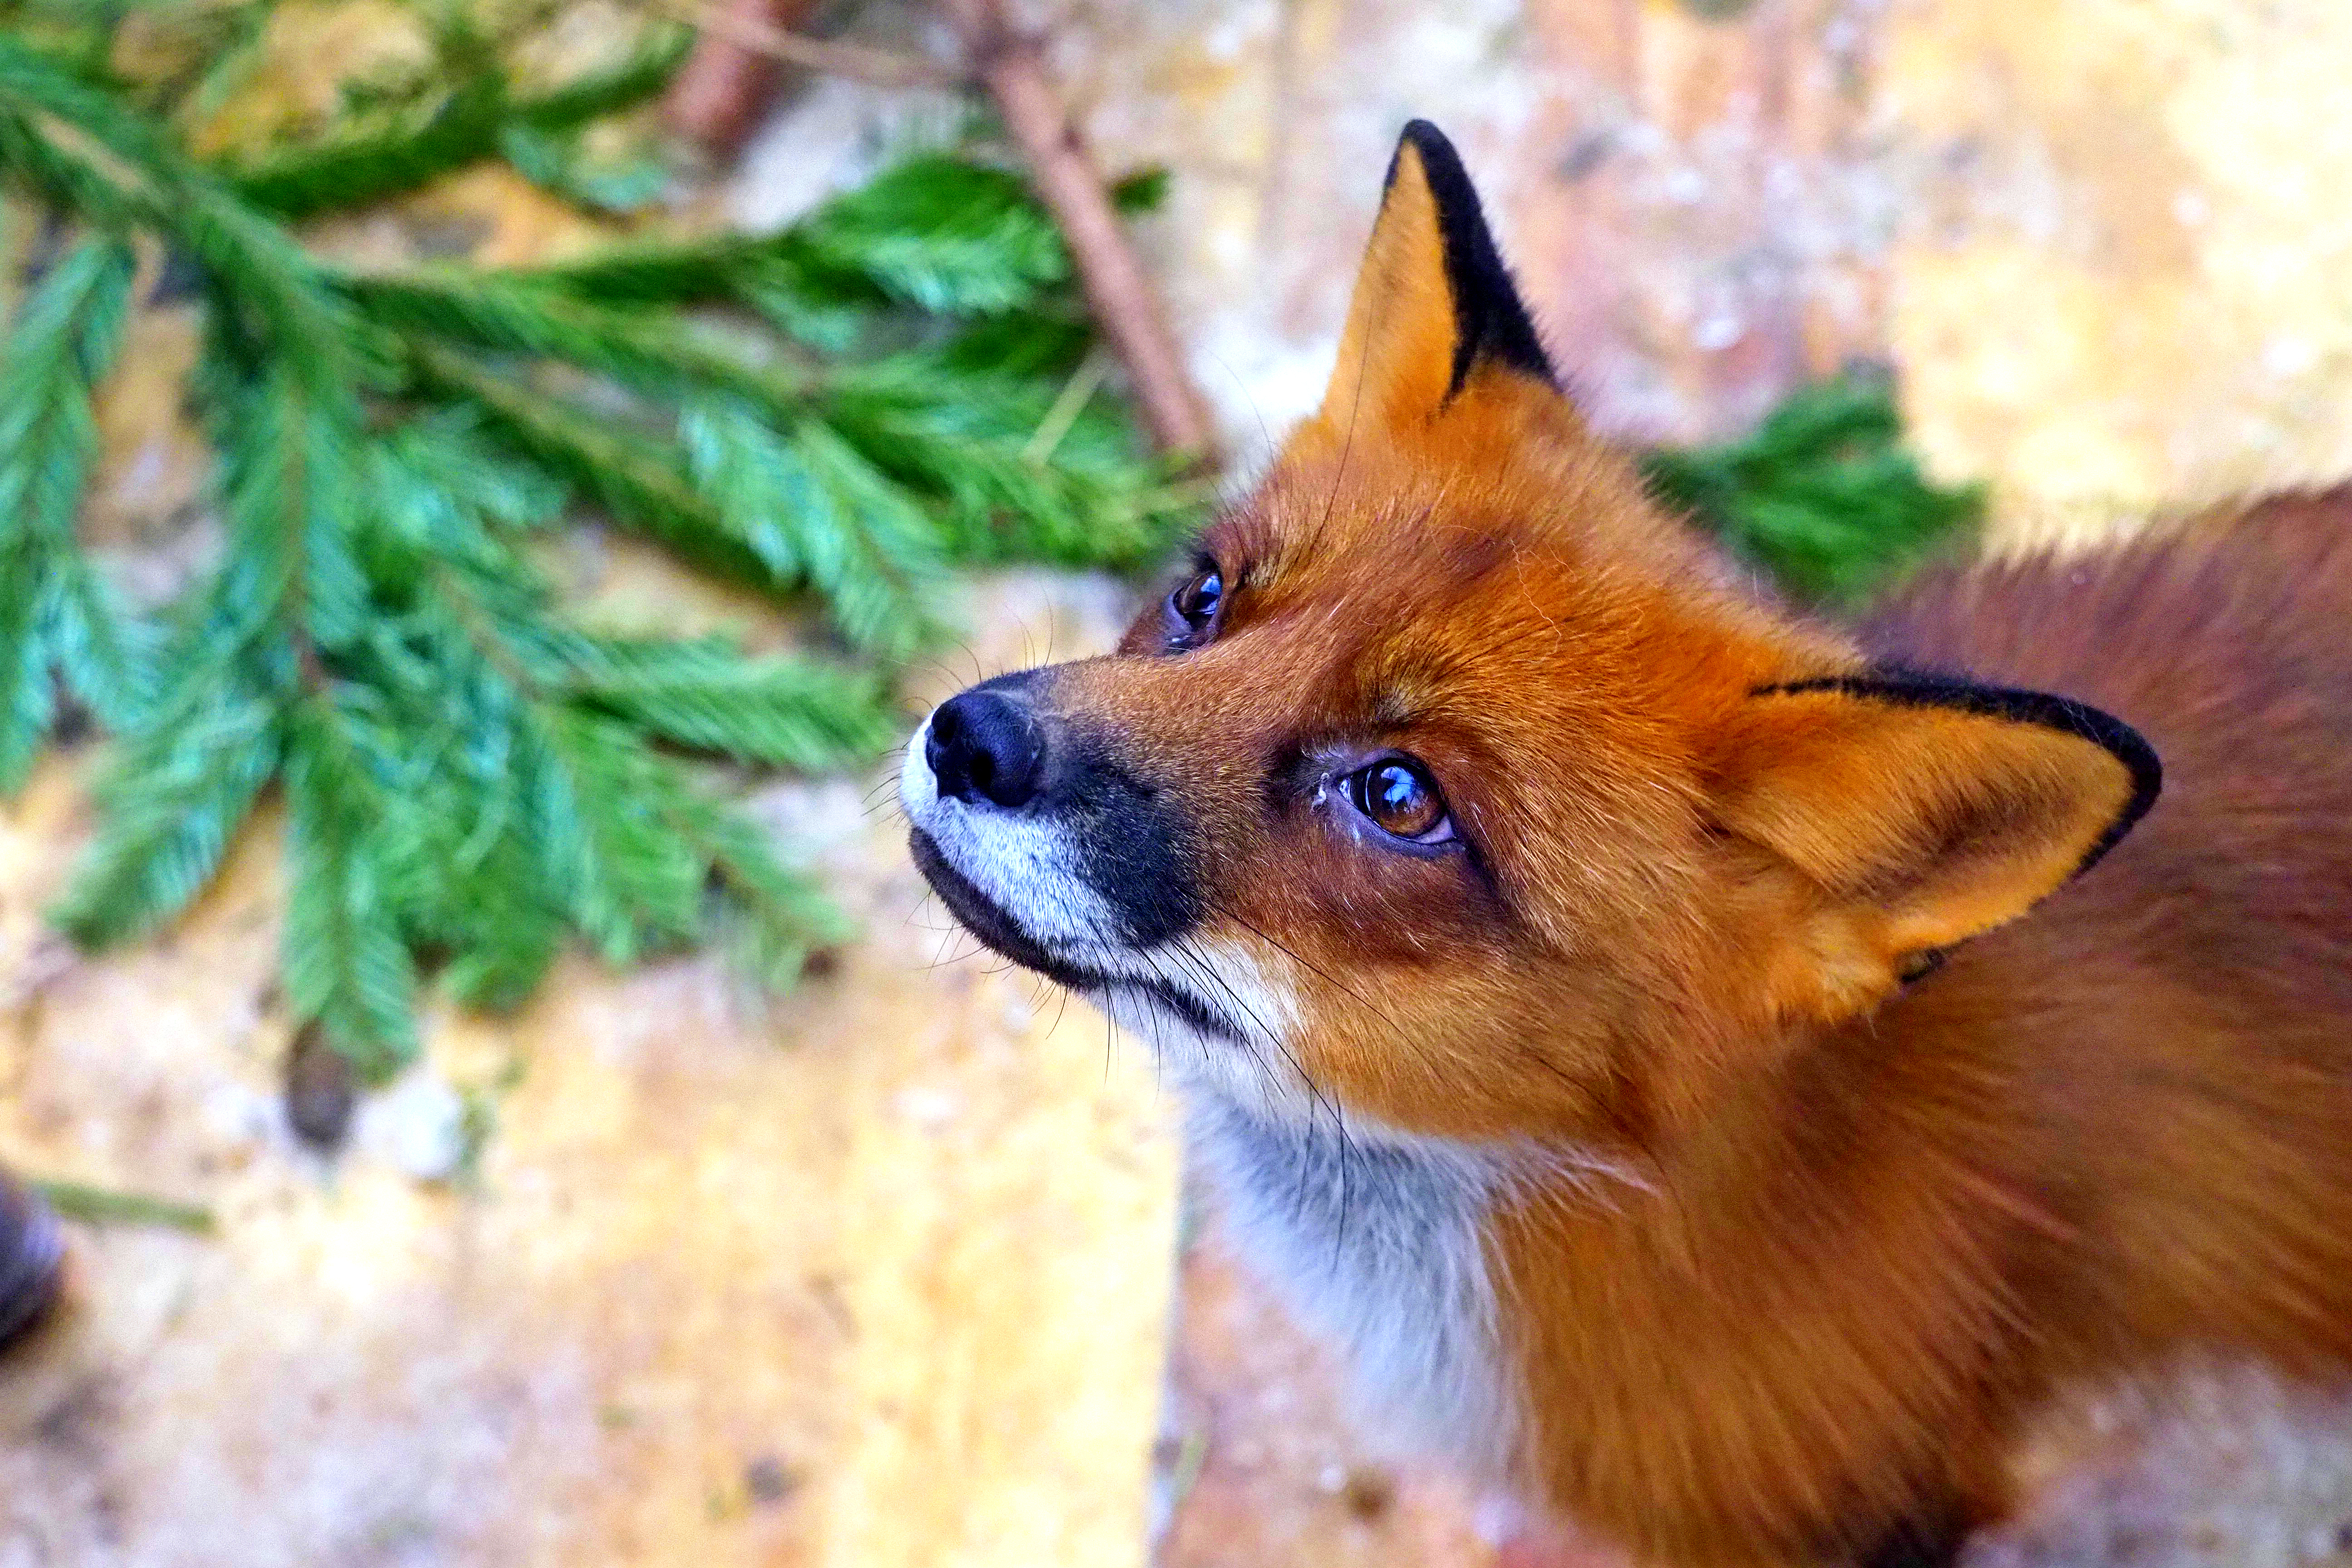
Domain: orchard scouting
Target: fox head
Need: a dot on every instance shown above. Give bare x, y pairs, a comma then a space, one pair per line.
1458, 784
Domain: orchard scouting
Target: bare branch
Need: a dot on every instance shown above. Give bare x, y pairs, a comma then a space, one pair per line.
724, 85
1012, 66
745, 27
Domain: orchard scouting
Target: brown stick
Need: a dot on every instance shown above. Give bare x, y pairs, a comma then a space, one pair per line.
1012, 67
724, 85
859, 62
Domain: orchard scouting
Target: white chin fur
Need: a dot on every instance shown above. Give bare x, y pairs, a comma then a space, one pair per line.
918, 791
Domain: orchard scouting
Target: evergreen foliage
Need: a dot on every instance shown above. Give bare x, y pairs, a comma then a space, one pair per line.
56, 617
840, 412
1822, 496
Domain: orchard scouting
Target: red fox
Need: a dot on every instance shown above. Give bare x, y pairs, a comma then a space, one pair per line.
1717, 1072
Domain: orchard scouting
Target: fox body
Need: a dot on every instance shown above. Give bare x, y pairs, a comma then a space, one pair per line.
1717, 1072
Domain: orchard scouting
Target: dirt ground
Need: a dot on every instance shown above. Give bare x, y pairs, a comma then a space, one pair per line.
899, 1270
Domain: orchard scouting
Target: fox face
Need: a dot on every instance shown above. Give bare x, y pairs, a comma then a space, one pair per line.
1454, 788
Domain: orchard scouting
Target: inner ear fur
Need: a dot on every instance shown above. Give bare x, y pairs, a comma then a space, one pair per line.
1916, 812
1434, 303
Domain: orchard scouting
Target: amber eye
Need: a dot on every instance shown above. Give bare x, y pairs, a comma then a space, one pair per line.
1399, 797
1193, 607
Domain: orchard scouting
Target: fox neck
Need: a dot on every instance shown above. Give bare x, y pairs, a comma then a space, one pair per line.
1858, 1225
1488, 1292
1377, 1241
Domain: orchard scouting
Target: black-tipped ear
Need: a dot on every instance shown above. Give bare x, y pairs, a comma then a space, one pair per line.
1490, 320
1433, 302
1917, 812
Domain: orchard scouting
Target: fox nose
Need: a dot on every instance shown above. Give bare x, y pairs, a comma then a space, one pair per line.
984, 746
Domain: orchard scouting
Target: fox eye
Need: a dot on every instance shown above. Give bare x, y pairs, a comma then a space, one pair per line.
1397, 796
1192, 609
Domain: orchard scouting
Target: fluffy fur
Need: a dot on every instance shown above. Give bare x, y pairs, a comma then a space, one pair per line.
1685, 1189
1376, 1240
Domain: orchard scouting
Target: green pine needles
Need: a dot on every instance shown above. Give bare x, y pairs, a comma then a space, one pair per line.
57, 619
840, 413
1824, 496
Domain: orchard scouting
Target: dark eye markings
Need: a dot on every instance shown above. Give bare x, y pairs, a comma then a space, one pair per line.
1335, 782
1195, 607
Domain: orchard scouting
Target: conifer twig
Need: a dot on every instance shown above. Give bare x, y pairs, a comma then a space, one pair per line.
1012, 67
107, 1205
372, 163
845, 409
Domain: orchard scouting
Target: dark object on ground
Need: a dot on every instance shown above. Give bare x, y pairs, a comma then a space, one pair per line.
32, 1260
321, 1089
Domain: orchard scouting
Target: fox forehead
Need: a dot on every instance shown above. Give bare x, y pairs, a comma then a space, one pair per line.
1510, 628
1480, 544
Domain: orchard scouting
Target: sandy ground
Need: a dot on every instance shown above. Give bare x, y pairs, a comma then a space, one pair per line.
892, 1272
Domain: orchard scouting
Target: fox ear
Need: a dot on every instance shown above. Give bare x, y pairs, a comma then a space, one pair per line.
1903, 815
1432, 302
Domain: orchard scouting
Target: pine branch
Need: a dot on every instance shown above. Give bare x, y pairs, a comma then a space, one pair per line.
660, 272
775, 915
289, 474
372, 163
818, 512
55, 614
943, 235
469, 779
343, 955
631, 887
106, 656
633, 480
123, 170
934, 232
705, 694
1824, 495
969, 438
174, 796
662, 357
443, 482
557, 163
642, 76
783, 510
462, 865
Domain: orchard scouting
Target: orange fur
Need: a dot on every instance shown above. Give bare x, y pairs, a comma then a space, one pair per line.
1863, 1227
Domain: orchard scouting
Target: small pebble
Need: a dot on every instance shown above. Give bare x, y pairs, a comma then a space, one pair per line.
1368, 1492
419, 1126
767, 1481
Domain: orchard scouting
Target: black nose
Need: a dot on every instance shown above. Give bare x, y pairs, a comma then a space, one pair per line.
984, 746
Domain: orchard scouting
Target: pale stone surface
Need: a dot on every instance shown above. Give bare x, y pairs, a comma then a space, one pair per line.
2125, 283
874, 1274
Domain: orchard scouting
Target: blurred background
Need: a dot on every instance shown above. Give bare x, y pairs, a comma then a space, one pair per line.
485, 486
